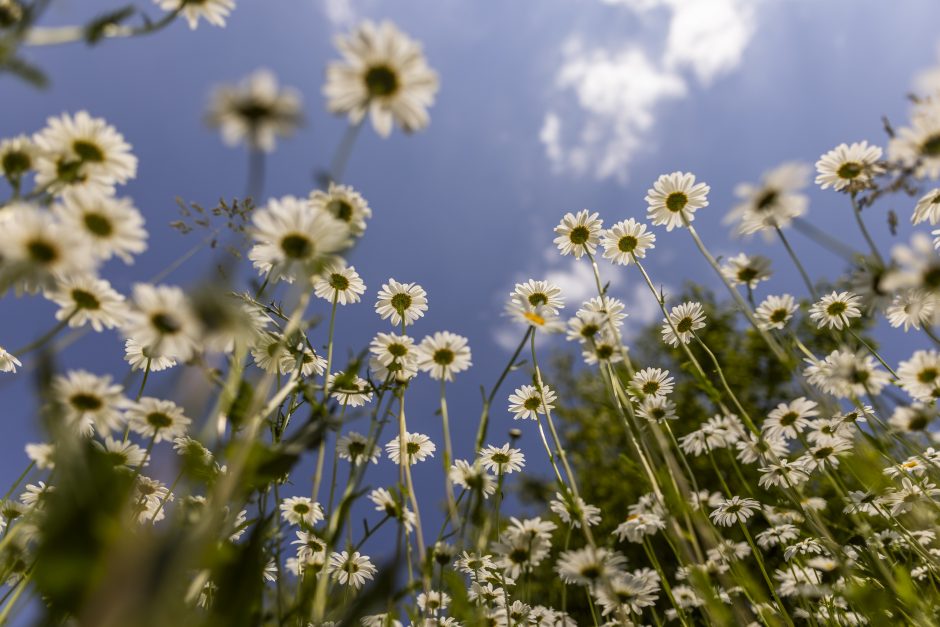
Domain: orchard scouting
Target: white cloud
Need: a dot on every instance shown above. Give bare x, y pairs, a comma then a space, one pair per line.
340, 13
617, 90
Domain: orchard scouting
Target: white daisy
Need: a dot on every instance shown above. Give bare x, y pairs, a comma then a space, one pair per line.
790, 419
916, 266
351, 570
834, 310
141, 357
639, 525
774, 202
403, 303
775, 312
393, 357
89, 402
674, 199
472, 477
657, 409
272, 353
919, 375
849, 167
443, 354
746, 270
911, 308
589, 566
573, 511
212, 11
43, 454
685, 319
82, 152
418, 447
8, 362
735, 509
650, 383
913, 418
17, 158
578, 234
384, 73
345, 204
162, 320
927, 208
123, 452
301, 511
293, 240
501, 460
349, 389
528, 402
357, 449
393, 508
256, 111
918, 145
158, 419
625, 240
113, 226
85, 299
341, 283
844, 373
536, 303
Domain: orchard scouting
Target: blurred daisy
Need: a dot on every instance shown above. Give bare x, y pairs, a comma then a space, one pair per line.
443, 354
849, 167
911, 308
685, 319
112, 226
638, 526
472, 477
625, 240
834, 310
17, 158
340, 283
573, 511
8, 362
255, 111
82, 152
844, 373
272, 353
394, 356
349, 389
43, 454
162, 320
919, 375
293, 240
301, 511
351, 569
403, 303
790, 419
914, 418
123, 452
776, 311
418, 448
774, 202
38, 249
527, 402
734, 510
927, 208
158, 419
916, 266
674, 199
603, 349
392, 507
384, 73
85, 299
141, 358
918, 145
213, 11
578, 234
501, 460
657, 409
345, 205
589, 566
536, 303
89, 402
744, 270
357, 449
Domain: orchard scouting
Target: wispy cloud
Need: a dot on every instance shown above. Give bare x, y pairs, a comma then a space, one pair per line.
607, 96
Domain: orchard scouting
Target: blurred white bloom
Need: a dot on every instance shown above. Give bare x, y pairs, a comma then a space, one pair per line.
849, 167
918, 145
774, 202
157, 418
89, 402
8, 362
123, 452
17, 158
844, 373
746, 270
345, 204
589, 566
472, 477
919, 375
927, 208
674, 199
351, 570
43, 454
357, 449
212, 11
911, 308
734, 510
301, 510
141, 357
86, 299
384, 73
913, 418
112, 226
162, 320
916, 266
349, 389
255, 111
273, 354
573, 510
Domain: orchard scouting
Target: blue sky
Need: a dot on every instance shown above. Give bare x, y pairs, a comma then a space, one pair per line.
546, 106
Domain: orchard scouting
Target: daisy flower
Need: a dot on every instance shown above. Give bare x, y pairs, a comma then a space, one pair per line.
682, 323
357, 449
384, 73
418, 447
528, 402
345, 204
628, 594
157, 418
123, 452
844, 373
340, 283
916, 266
602, 349
775, 312
502, 460
638, 526
772, 203
578, 234
536, 303
394, 357
762, 448
351, 570
918, 145
388, 504
85, 299
834, 310
141, 357
674, 199
82, 152
734, 510
293, 240
112, 226
162, 320
657, 409
349, 389
919, 375
584, 327
273, 353
472, 477
212, 11
625, 240
588, 566
573, 510
38, 249
911, 308
744, 270
927, 208
301, 511
849, 167
913, 418
403, 303
256, 111
43, 454
650, 382
8, 362
443, 354
790, 419
89, 402
17, 158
